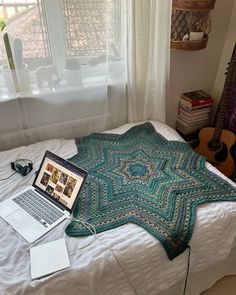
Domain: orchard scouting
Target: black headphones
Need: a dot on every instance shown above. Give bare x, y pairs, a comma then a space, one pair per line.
22, 166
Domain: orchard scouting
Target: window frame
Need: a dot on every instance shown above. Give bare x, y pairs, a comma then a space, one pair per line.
55, 21
52, 10
53, 13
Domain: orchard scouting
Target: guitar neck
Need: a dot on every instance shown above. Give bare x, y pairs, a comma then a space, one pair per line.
225, 97
222, 111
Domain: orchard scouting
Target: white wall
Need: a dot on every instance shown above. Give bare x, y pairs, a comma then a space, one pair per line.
197, 69
230, 41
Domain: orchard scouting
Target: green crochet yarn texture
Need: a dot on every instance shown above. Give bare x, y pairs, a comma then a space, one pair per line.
143, 178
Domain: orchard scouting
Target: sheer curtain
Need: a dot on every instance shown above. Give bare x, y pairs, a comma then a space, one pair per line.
63, 73
62, 69
148, 53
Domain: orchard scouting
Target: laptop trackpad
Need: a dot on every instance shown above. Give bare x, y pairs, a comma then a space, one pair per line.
26, 225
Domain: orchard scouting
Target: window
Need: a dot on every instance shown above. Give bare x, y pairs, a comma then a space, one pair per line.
81, 28
62, 102
51, 31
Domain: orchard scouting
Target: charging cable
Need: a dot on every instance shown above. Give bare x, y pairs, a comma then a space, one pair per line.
89, 227
92, 230
8, 176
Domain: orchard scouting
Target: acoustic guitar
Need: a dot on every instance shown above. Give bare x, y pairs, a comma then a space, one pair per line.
216, 142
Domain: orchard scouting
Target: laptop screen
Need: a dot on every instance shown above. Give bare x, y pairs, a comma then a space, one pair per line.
60, 180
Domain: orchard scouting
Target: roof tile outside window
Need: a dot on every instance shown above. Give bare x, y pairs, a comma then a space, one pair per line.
28, 24
88, 23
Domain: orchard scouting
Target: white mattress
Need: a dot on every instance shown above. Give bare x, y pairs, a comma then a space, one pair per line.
126, 260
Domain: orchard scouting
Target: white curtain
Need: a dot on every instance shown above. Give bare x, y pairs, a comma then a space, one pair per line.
148, 53
62, 71
69, 74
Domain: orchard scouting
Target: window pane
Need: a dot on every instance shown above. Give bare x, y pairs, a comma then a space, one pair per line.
25, 20
91, 26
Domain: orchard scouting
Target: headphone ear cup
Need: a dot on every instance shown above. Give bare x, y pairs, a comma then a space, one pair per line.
23, 170
30, 167
19, 169
13, 166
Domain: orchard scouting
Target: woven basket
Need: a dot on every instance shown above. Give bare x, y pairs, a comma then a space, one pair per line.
197, 5
189, 45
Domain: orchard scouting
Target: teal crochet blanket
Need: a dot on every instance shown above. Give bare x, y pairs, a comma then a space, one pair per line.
143, 178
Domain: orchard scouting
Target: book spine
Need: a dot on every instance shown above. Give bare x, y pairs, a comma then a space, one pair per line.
189, 112
193, 118
201, 116
192, 122
202, 102
187, 130
196, 103
196, 95
188, 105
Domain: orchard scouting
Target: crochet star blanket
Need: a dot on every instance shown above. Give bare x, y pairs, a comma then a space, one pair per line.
143, 178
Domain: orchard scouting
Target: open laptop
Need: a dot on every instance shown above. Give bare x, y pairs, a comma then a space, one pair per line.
38, 208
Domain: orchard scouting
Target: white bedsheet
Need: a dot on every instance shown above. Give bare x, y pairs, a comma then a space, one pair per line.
124, 261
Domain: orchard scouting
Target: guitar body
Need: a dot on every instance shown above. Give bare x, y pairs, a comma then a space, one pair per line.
219, 157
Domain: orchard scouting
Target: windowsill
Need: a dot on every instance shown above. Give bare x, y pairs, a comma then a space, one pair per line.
87, 84
90, 80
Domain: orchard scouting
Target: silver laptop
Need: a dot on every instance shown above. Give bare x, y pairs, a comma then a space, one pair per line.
37, 209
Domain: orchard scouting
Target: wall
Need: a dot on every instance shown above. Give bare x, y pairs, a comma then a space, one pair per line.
230, 41
197, 69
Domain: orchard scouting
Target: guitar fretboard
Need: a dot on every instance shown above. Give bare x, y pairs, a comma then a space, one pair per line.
225, 97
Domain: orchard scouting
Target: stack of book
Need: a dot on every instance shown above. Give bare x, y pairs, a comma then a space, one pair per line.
194, 111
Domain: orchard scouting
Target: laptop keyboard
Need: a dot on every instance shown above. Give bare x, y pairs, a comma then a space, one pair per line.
38, 208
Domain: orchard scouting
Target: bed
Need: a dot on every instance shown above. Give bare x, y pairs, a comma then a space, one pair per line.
124, 260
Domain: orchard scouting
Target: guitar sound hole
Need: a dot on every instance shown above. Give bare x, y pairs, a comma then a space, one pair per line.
221, 148
222, 154
214, 145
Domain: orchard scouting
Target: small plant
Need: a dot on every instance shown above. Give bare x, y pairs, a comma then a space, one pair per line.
17, 48
8, 51
7, 45
72, 64
2, 24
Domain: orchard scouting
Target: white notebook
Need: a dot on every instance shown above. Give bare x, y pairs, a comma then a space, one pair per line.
48, 258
